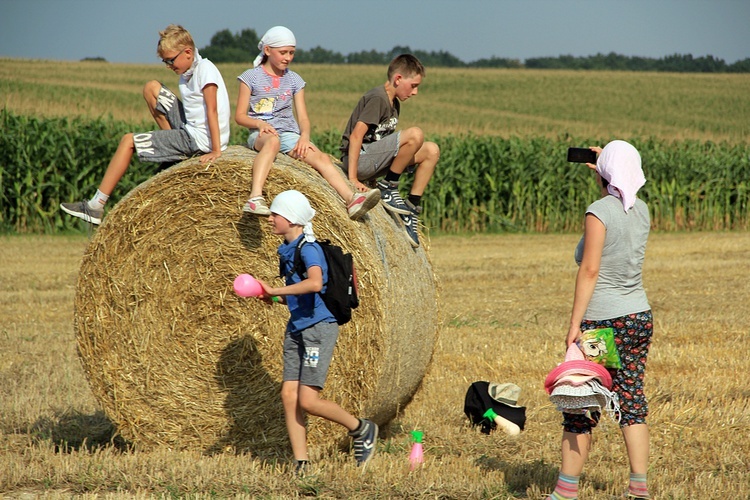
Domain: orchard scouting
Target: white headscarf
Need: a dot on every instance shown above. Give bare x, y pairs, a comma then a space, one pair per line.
620, 164
278, 36
295, 207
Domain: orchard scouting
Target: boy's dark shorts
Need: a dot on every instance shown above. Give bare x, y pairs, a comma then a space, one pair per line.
308, 354
158, 146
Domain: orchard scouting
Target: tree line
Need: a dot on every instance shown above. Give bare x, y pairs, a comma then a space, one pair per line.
242, 47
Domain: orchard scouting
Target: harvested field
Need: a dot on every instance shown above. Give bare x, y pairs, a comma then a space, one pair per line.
505, 300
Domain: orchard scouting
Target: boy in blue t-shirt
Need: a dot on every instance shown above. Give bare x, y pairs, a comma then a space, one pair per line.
311, 332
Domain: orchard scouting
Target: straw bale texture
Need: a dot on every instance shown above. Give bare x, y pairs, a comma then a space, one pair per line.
177, 359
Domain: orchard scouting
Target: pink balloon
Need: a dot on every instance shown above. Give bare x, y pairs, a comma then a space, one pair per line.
247, 286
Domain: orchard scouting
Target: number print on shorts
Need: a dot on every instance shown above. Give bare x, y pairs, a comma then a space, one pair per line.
312, 356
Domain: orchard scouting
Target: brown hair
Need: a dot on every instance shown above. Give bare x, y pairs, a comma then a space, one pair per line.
406, 64
174, 37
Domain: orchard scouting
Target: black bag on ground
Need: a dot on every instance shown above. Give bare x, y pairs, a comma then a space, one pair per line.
478, 401
340, 296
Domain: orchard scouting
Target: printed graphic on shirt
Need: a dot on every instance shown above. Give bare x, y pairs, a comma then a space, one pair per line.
264, 106
383, 129
312, 356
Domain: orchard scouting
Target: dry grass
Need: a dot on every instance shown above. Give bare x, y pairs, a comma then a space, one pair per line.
505, 300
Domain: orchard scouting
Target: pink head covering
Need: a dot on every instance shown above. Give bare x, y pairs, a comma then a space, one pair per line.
620, 164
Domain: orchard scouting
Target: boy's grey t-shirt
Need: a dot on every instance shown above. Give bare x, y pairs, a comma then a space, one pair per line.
619, 288
376, 110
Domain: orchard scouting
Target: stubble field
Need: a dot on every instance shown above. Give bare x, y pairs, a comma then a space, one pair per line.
505, 301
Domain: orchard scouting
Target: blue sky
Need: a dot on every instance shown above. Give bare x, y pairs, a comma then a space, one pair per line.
127, 31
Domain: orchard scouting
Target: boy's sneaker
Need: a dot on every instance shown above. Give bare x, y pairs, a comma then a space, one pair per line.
392, 199
82, 210
411, 222
410, 228
256, 206
302, 468
414, 209
362, 203
365, 439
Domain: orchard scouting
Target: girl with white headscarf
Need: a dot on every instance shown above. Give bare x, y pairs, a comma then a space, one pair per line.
278, 36
609, 293
269, 95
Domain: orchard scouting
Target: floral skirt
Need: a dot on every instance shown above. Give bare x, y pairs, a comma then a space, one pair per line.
633, 338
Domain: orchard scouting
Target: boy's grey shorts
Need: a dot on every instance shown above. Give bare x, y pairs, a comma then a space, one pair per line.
159, 146
375, 158
308, 354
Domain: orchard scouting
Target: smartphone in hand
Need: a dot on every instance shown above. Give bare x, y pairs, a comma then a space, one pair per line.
581, 155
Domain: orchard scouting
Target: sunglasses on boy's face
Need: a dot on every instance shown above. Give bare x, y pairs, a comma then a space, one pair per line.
170, 62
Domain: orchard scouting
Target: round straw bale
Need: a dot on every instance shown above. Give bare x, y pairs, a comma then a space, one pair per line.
176, 359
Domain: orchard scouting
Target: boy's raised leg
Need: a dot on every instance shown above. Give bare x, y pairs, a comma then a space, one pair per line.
364, 432
426, 159
151, 94
365, 439
410, 142
118, 165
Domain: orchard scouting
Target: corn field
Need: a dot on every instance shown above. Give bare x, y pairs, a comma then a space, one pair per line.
47, 161
482, 183
491, 184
